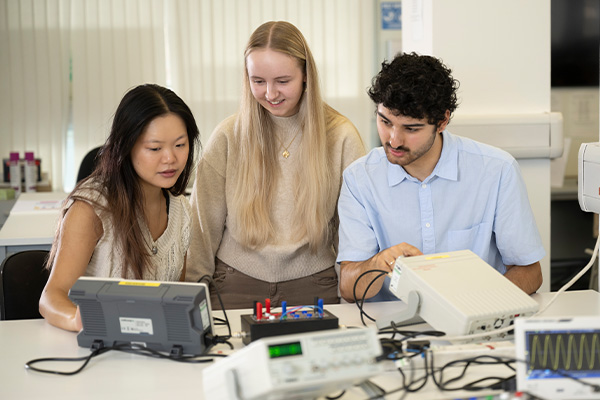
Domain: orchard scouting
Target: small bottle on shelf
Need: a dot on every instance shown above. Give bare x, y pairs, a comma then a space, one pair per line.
15, 173
30, 172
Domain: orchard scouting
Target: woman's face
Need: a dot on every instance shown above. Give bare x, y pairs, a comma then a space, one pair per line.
276, 81
161, 152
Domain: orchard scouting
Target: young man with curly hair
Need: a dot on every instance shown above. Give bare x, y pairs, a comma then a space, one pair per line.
428, 191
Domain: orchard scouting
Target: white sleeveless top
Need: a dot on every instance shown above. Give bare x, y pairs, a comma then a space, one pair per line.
171, 246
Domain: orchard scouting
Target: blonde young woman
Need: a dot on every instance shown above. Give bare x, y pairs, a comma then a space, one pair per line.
266, 189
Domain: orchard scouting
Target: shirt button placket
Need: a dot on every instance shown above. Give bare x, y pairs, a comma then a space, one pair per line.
427, 228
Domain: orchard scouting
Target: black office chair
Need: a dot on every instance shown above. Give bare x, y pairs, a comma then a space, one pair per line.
88, 164
22, 279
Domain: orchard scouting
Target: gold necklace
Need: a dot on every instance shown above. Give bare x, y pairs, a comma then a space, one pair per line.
286, 152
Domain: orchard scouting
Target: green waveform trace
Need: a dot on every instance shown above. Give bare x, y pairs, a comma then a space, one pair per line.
564, 351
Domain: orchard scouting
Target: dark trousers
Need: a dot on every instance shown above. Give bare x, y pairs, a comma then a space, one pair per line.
239, 290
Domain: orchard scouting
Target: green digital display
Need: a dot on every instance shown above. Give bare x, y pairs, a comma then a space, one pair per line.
285, 350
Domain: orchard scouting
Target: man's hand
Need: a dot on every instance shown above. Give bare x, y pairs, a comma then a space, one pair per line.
384, 261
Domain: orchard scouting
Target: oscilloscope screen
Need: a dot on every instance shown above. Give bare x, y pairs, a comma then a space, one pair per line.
574, 352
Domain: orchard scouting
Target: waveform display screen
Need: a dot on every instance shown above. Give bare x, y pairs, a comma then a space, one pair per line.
576, 353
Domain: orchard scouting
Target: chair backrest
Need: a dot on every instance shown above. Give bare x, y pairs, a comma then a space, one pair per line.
22, 279
88, 164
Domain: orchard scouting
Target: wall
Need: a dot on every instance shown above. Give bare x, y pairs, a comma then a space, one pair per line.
65, 64
500, 52
579, 106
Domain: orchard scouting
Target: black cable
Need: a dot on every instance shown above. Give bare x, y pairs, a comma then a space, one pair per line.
471, 386
148, 352
566, 375
126, 348
360, 304
336, 397
490, 382
363, 298
407, 334
388, 392
406, 387
86, 359
397, 344
476, 385
424, 378
392, 346
218, 339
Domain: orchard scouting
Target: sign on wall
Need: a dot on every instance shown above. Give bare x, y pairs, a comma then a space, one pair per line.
391, 15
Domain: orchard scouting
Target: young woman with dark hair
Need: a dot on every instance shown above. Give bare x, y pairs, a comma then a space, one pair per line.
129, 218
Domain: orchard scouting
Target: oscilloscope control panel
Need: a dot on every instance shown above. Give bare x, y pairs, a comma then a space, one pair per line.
559, 357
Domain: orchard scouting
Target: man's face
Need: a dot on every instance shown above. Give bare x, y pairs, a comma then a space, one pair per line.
405, 140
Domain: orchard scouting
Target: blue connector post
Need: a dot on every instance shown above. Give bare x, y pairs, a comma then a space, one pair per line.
320, 310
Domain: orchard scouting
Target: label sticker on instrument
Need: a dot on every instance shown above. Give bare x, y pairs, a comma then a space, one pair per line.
439, 256
395, 278
137, 283
138, 326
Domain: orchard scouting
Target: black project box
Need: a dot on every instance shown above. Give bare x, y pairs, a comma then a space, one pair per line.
256, 329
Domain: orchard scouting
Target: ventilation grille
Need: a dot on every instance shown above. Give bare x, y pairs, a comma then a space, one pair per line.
177, 323
505, 301
92, 317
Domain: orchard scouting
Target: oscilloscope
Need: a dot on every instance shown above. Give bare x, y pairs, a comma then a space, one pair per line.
559, 357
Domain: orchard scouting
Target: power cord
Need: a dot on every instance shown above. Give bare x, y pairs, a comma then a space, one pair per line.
467, 362
497, 382
574, 279
360, 303
407, 334
98, 349
218, 339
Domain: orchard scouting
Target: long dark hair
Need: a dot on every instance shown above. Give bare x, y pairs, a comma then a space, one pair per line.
116, 177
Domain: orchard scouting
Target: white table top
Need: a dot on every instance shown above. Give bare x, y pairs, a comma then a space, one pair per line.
38, 202
116, 375
32, 220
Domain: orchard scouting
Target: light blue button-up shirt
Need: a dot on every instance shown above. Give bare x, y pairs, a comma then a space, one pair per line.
474, 199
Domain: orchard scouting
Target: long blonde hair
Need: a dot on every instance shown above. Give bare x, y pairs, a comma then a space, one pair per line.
258, 168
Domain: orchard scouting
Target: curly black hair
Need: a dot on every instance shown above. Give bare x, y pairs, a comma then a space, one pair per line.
415, 86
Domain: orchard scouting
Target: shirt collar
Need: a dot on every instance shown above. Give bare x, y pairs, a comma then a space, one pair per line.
446, 167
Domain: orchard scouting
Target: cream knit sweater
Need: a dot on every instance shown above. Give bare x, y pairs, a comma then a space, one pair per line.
214, 229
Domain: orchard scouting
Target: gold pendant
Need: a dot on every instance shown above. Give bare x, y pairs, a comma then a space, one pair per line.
285, 154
